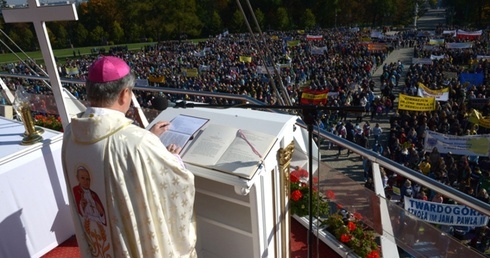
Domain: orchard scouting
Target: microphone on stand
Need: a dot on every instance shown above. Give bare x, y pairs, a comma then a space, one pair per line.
183, 104
159, 103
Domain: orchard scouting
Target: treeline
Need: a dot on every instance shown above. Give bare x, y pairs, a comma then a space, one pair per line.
108, 22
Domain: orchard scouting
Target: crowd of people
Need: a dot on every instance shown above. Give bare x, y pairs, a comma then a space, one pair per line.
345, 64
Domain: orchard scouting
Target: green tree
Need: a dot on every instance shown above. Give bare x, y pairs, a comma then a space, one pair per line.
98, 36
238, 23
81, 35
309, 20
59, 35
282, 19
117, 33
27, 40
135, 33
216, 25
260, 16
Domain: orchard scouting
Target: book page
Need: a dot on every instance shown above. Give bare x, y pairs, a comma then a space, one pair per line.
182, 128
245, 153
210, 145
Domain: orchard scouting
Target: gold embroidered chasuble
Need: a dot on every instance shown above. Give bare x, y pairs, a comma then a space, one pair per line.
129, 196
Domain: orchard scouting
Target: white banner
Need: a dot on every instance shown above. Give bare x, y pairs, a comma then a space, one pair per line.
452, 32
377, 34
480, 57
445, 214
434, 57
439, 95
262, 70
459, 45
469, 33
318, 50
421, 60
469, 145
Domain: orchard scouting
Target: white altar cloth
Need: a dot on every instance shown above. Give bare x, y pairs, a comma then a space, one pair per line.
34, 213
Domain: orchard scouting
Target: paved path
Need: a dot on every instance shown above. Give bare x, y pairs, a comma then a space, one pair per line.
352, 165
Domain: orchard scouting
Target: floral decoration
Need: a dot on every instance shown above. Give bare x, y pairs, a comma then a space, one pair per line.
347, 227
49, 121
300, 195
350, 230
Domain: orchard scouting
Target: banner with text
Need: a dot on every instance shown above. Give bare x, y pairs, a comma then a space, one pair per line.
476, 117
157, 79
314, 37
440, 95
459, 45
313, 97
436, 41
416, 103
468, 145
190, 72
421, 60
445, 214
246, 59
318, 50
376, 46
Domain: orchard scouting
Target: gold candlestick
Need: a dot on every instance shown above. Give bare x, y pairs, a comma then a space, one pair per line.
21, 104
32, 134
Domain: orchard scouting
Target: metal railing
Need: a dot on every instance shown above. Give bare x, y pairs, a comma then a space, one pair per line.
415, 176
447, 191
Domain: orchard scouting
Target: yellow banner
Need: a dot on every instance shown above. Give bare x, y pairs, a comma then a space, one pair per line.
406, 102
433, 92
191, 72
436, 42
314, 96
246, 59
293, 43
159, 79
477, 118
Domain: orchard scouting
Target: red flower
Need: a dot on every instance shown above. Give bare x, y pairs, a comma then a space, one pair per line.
296, 195
351, 225
303, 173
293, 178
345, 238
373, 254
357, 216
330, 195
315, 180
339, 206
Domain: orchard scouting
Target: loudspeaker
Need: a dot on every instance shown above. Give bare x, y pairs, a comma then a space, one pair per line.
7, 111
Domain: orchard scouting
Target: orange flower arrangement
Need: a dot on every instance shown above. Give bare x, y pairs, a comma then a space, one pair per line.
49, 121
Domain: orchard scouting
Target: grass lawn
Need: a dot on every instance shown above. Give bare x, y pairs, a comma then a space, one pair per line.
62, 53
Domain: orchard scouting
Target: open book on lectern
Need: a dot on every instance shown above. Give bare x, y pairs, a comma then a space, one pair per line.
229, 149
181, 130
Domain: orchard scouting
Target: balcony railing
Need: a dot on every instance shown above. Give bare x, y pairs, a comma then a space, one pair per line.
416, 237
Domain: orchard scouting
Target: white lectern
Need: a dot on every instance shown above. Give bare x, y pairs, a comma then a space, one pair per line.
245, 217
34, 213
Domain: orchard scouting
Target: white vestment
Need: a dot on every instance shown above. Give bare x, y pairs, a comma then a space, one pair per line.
146, 194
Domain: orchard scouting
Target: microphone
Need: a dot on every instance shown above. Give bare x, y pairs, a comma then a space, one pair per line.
183, 104
159, 103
